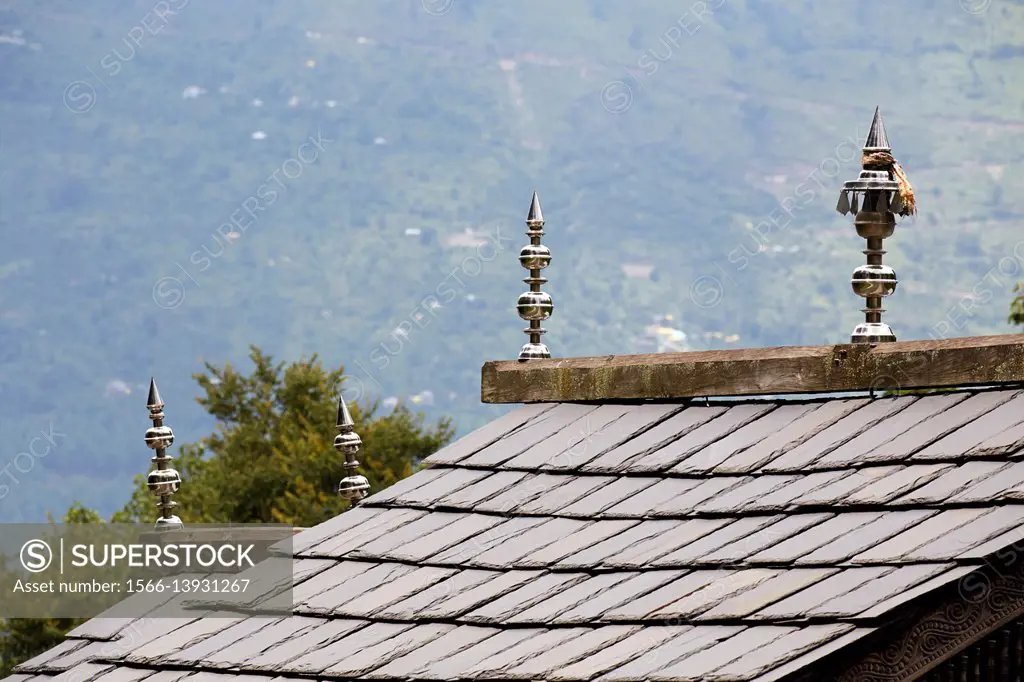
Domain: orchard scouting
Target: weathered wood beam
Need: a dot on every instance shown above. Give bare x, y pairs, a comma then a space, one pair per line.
971, 361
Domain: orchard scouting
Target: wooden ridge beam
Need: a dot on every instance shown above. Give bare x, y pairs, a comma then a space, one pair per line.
969, 361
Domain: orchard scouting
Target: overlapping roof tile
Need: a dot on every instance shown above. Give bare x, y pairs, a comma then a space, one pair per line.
733, 541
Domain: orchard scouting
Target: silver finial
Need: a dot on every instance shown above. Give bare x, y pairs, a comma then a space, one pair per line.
876, 197
534, 306
354, 486
163, 481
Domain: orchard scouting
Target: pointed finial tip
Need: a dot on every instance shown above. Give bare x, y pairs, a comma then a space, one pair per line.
535, 215
877, 139
154, 399
344, 416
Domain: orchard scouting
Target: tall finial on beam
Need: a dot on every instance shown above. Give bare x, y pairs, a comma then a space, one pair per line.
354, 486
535, 306
883, 192
163, 481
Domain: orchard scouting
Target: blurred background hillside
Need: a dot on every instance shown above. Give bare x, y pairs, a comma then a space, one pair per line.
180, 179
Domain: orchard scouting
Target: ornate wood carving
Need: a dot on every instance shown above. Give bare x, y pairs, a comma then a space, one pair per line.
934, 629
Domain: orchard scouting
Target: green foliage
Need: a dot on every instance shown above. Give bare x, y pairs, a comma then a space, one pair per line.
1017, 306
917, 391
269, 460
24, 638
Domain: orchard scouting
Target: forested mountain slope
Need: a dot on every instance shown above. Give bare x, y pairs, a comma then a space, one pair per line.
180, 179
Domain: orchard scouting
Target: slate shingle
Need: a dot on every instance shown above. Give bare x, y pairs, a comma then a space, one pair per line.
318, 660
308, 639
677, 426
743, 529
255, 644
547, 610
521, 652
785, 496
506, 552
785, 648
550, 423
807, 541
572, 445
639, 585
368, 528
454, 666
209, 646
718, 451
504, 530
369, 603
693, 442
803, 457
511, 603
768, 536
425, 603
589, 534
562, 496
662, 492
468, 596
488, 434
862, 538
807, 599
790, 436
767, 592
679, 535
594, 503
865, 596
870, 446
897, 483
699, 664
640, 542
679, 647
560, 656
901, 547
447, 646
370, 578
359, 661
630, 425
470, 496
449, 480
463, 529
619, 654
963, 441
951, 483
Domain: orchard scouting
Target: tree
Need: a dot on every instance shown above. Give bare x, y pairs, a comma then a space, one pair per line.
269, 460
1017, 306
24, 638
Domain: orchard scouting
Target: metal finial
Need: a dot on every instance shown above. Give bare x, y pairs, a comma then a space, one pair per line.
154, 399
535, 215
877, 140
163, 481
535, 306
875, 198
354, 486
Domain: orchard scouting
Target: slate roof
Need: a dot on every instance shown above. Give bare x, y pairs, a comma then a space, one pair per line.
733, 541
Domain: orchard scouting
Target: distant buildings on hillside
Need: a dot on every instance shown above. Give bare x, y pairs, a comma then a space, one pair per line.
663, 335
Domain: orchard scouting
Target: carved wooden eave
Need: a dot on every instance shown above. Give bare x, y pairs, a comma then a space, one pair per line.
931, 629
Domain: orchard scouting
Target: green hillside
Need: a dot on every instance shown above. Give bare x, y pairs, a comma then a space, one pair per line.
140, 144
